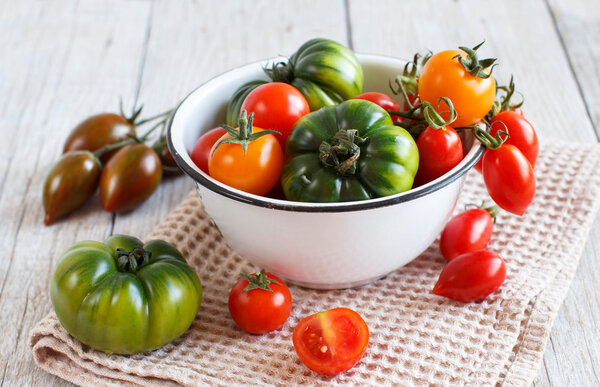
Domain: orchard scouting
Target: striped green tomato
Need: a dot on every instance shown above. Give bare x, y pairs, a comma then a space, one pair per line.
123, 296
348, 152
324, 71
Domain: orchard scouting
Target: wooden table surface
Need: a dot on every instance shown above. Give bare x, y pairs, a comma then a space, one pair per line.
62, 61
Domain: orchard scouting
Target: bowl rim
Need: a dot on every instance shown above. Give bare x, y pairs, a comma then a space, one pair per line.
221, 189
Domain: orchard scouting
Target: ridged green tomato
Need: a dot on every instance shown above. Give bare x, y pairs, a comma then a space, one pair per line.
324, 71
348, 152
123, 296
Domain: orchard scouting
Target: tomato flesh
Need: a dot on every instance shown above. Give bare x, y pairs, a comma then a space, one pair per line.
332, 341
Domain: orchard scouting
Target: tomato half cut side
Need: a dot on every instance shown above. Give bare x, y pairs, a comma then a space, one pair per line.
332, 341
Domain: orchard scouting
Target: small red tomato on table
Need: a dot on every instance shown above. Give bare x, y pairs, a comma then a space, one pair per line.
332, 341
260, 303
276, 106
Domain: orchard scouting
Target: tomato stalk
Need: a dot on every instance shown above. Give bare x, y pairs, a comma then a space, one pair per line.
132, 261
258, 281
493, 210
504, 103
486, 139
475, 66
344, 151
244, 135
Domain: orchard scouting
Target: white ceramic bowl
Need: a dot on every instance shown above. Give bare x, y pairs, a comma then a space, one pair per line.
317, 245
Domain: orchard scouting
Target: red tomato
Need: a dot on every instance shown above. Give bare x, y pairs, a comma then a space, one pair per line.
468, 231
520, 134
440, 150
382, 100
332, 341
276, 106
255, 171
260, 303
518, 110
444, 76
471, 276
509, 178
201, 152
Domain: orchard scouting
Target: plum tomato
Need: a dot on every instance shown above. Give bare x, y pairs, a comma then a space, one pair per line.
509, 178
97, 131
382, 100
332, 341
201, 152
440, 150
276, 106
248, 158
468, 231
129, 178
260, 303
471, 276
70, 183
460, 76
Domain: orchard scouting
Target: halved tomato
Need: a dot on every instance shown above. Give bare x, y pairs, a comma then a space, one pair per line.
332, 341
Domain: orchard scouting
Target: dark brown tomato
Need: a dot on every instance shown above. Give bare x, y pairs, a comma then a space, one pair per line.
97, 131
70, 183
129, 178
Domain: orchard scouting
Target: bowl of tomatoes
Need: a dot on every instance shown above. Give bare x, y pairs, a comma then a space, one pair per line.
327, 244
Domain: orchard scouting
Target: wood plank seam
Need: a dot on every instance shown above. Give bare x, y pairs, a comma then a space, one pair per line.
348, 24
572, 68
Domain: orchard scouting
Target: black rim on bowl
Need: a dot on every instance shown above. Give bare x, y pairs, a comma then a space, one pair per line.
285, 205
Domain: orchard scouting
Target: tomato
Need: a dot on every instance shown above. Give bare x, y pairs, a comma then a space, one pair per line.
440, 150
444, 76
324, 71
129, 178
260, 303
518, 110
97, 131
122, 296
468, 231
348, 152
382, 100
201, 152
276, 106
248, 159
70, 183
509, 178
332, 341
520, 134
471, 276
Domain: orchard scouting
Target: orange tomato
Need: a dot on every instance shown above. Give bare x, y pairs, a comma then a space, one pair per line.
256, 172
444, 76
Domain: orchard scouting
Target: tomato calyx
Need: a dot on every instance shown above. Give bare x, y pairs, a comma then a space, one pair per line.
343, 152
486, 139
244, 135
280, 72
132, 261
408, 82
475, 66
258, 281
505, 103
493, 210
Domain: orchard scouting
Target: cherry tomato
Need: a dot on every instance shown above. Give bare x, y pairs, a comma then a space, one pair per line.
444, 76
71, 182
518, 110
468, 231
440, 150
382, 100
332, 341
260, 303
129, 178
201, 152
520, 134
255, 171
471, 276
509, 178
276, 106
97, 131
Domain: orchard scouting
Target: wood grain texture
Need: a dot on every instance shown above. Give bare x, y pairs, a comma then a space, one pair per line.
63, 60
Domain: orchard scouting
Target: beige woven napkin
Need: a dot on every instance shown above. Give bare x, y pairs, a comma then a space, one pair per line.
417, 338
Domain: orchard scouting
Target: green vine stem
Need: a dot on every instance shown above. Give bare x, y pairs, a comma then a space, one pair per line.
258, 281
493, 210
486, 139
132, 261
244, 134
343, 152
475, 66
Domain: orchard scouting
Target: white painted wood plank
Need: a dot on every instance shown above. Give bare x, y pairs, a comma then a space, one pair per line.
61, 61
196, 40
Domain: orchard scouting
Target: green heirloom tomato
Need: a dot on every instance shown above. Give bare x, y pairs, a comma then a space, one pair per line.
348, 152
123, 296
324, 71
